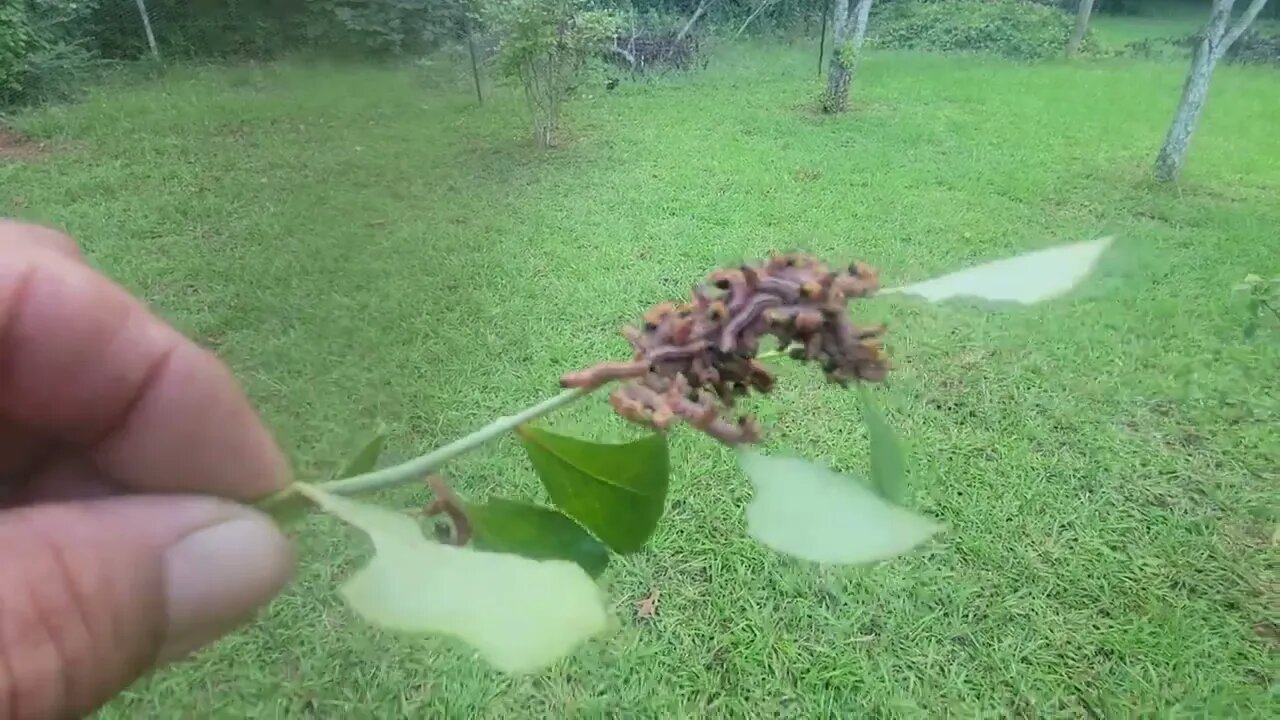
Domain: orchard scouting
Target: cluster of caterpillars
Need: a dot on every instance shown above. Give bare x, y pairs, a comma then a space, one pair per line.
693, 359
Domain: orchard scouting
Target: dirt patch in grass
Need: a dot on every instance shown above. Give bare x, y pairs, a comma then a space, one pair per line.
16, 147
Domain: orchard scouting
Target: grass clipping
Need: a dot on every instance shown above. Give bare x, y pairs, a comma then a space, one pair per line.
521, 615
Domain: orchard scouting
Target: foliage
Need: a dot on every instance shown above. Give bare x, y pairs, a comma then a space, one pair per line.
16, 37
1158, 48
520, 614
1255, 46
43, 55
200, 28
684, 356
545, 45
650, 42
1027, 279
502, 525
232, 28
389, 27
617, 492
365, 460
1010, 28
815, 514
888, 458
777, 17
1263, 302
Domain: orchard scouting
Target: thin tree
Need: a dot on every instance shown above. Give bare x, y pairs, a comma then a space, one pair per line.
1083, 11
703, 7
1215, 41
849, 30
763, 4
146, 27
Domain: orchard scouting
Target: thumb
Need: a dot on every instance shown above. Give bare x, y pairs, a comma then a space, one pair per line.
95, 593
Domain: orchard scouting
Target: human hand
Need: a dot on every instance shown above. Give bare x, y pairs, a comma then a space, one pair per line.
118, 437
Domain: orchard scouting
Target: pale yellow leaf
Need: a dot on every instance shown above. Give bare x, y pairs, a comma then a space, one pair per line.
1028, 278
813, 513
521, 615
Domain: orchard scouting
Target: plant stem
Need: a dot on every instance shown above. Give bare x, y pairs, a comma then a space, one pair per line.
414, 470
288, 502
779, 352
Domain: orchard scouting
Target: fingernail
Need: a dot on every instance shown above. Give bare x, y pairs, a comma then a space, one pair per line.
217, 577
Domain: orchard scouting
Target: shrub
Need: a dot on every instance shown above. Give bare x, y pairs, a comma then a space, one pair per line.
1010, 28
200, 28
15, 40
387, 27
1156, 48
1254, 46
545, 45
42, 55
650, 42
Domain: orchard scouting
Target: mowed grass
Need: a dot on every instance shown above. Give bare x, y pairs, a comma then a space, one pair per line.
367, 247
1162, 20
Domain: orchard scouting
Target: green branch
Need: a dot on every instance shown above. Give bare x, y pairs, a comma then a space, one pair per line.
284, 502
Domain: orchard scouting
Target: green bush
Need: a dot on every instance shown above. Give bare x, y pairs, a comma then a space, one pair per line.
268, 29
546, 46
1009, 28
388, 27
42, 55
15, 40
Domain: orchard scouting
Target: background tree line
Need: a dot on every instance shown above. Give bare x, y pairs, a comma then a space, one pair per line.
112, 29
46, 46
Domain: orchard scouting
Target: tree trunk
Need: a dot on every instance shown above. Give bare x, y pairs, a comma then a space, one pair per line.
1194, 93
703, 6
146, 27
1082, 26
764, 4
1214, 43
836, 99
850, 32
860, 24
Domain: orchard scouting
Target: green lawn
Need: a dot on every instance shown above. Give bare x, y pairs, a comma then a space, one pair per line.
366, 246
1160, 19
1164, 20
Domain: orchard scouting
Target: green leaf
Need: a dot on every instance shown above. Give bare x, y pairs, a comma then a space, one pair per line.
521, 615
286, 506
813, 513
535, 532
617, 491
366, 459
1029, 278
888, 460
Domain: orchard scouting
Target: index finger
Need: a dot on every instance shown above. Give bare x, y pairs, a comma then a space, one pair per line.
87, 364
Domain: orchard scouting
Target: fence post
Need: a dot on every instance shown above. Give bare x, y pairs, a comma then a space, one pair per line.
146, 25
